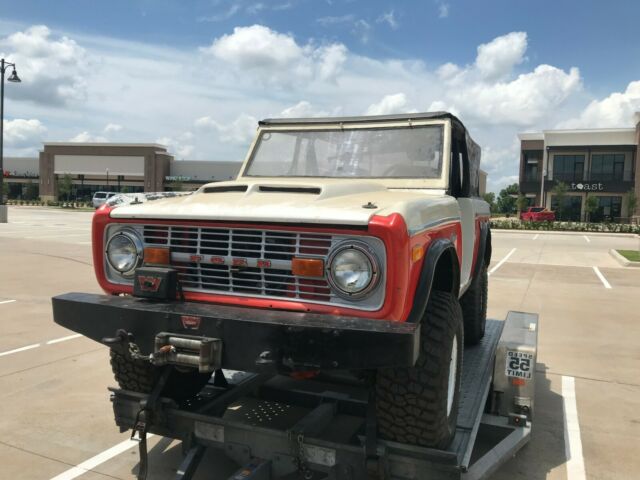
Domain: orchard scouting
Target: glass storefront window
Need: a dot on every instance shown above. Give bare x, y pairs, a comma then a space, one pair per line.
607, 166
568, 168
609, 209
571, 208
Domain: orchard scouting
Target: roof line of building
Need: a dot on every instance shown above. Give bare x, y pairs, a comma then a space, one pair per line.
103, 144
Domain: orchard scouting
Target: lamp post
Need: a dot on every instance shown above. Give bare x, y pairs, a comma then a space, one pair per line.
107, 170
15, 79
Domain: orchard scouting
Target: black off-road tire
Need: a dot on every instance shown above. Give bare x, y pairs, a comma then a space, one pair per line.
411, 403
474, 308
140, 376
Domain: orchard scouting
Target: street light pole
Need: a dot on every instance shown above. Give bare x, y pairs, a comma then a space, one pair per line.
15, 79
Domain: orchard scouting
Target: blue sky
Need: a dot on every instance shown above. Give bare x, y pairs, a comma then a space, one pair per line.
196, 75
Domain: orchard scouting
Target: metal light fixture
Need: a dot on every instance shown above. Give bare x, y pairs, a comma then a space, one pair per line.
14, 77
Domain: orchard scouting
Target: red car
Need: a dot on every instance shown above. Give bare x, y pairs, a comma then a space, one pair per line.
537, 214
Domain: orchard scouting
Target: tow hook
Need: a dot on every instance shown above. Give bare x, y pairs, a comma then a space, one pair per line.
119, 342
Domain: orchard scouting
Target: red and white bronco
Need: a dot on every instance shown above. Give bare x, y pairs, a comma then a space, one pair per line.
355, 245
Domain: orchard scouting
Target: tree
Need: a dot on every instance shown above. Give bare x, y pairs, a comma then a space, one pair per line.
490, 198
559, 191
521, 202
64, 186
31, 191
507, 198
632, 203
590, 206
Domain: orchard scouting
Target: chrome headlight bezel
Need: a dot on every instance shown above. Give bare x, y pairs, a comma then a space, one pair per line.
364, 249
137, 243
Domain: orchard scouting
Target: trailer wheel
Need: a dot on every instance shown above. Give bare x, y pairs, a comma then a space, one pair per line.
474, 308
140, 376
419, 405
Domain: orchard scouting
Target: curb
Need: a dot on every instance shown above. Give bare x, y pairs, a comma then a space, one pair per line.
562, 232
623, 261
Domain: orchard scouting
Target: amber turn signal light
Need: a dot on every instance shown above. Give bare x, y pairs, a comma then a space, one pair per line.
157, 256
307, 267
417, 253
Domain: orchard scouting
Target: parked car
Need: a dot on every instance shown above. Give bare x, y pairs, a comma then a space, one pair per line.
352, 244
537, 214
99, 198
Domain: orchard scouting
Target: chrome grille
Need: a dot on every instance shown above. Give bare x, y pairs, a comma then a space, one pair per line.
250, 262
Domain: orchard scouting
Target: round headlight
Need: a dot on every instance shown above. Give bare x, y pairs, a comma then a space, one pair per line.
124, 252
353, 270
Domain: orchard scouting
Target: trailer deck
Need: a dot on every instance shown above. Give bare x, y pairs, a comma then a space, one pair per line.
275, 426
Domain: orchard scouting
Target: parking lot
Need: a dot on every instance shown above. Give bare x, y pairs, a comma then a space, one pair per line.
57, 420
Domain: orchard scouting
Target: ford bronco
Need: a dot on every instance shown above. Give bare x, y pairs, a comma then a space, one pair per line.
354, 245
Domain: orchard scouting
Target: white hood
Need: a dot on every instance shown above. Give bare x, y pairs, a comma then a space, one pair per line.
323, 202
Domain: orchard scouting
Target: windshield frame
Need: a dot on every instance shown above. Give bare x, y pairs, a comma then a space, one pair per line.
435, 183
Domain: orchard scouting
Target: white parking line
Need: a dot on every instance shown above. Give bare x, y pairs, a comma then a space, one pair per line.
572, 440
99, 459
6, 301
601, 277
36, 345
21, 349
63, 339
586, 238
535, 237
502, 261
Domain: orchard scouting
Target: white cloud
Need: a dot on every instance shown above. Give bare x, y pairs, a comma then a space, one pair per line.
487, 91
329, 20
443, 10
52, 68
390, 19
240, 131
498, 57
180, 146
86, 137
112, 128
219, 17
276, 57
301, 109
21, 133
615, 110
362, 30
396, 103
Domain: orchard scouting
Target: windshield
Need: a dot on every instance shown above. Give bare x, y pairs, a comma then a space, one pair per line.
537, 209
363, 153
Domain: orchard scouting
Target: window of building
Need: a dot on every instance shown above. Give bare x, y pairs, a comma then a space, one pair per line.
571, 208
609, 209
568, 168
531, 166
607, 166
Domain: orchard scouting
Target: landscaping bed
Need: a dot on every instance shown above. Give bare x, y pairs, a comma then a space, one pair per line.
515, 224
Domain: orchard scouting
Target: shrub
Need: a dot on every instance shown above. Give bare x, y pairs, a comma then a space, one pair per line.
514, 224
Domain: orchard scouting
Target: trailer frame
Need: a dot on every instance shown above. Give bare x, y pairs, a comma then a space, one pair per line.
273, 426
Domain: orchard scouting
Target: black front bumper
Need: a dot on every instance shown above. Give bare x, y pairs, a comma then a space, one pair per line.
252, 339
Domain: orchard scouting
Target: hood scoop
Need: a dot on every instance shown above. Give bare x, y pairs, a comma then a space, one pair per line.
226, 189
281, 189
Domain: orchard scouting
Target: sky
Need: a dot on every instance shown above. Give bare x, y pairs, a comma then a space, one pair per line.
197, 75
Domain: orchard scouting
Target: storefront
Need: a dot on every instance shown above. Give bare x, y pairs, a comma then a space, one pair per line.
75, 171
578, 164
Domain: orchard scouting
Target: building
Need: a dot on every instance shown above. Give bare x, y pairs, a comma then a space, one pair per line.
603, 163
115, 167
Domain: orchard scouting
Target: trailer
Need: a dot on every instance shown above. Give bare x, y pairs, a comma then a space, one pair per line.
275, 426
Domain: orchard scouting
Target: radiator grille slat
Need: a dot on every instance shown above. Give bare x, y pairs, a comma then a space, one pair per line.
274, 248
